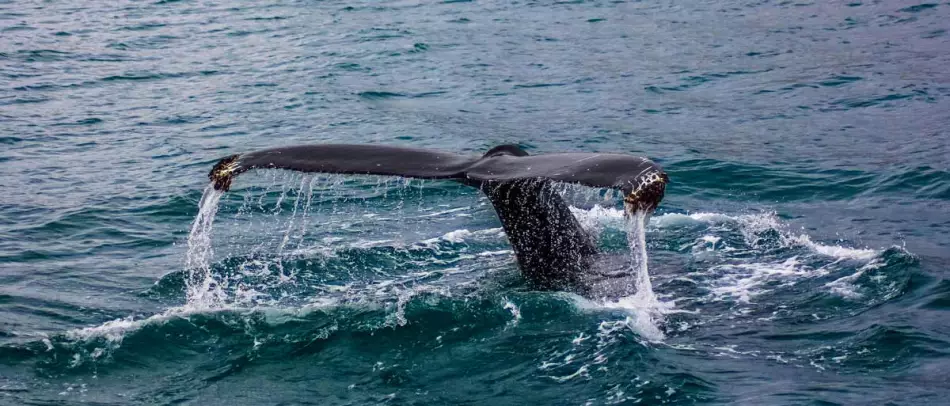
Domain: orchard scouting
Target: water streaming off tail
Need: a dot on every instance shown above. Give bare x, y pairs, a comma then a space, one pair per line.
202, 290
645, 311
636, 237
295, 239
314, 236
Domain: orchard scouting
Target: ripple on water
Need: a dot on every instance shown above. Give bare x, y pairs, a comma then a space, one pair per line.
801, 152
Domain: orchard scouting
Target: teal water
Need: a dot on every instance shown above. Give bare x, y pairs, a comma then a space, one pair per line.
801, 254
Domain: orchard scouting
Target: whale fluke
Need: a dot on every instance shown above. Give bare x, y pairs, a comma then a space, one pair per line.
551, 247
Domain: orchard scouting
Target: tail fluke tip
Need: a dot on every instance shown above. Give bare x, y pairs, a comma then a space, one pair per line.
223, 172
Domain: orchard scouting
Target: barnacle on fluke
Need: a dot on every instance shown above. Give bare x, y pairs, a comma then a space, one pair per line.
647, 193
223, 172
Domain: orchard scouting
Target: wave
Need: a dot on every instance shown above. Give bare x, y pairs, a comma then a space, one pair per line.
420, 309
467, 278
430, 260
756, 228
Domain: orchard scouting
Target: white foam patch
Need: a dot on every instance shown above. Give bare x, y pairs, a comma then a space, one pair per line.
389, 295
847, 286
750, 225
670, 220
495, 253
457, 236
836, 251
515, 312
328, 246
707, 243
115, 331
463, 235
643, 316
757, 223
598, 217
743, 282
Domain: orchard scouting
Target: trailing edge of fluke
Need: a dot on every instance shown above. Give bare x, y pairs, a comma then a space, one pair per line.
640, 179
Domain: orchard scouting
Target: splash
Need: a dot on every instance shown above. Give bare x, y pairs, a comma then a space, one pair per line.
644, 311
207, 291
202, 288
753, 226
636, 236
204, 293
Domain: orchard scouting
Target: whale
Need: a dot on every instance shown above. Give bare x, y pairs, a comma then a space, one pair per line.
552, 249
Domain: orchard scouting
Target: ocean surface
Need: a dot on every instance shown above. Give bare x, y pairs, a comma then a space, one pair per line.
801, 255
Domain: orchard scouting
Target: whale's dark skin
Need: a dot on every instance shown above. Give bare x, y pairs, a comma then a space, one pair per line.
553, 251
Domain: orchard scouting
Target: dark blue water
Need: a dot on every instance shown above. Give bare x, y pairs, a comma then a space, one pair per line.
801, 256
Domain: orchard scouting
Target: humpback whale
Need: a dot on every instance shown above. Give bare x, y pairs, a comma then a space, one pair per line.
552, 250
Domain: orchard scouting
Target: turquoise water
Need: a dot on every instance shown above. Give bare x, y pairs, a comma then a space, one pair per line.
801, 254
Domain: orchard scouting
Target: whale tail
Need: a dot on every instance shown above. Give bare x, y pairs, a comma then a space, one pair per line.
551, 247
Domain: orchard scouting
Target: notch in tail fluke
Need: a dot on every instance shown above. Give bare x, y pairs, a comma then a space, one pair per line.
505, 149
